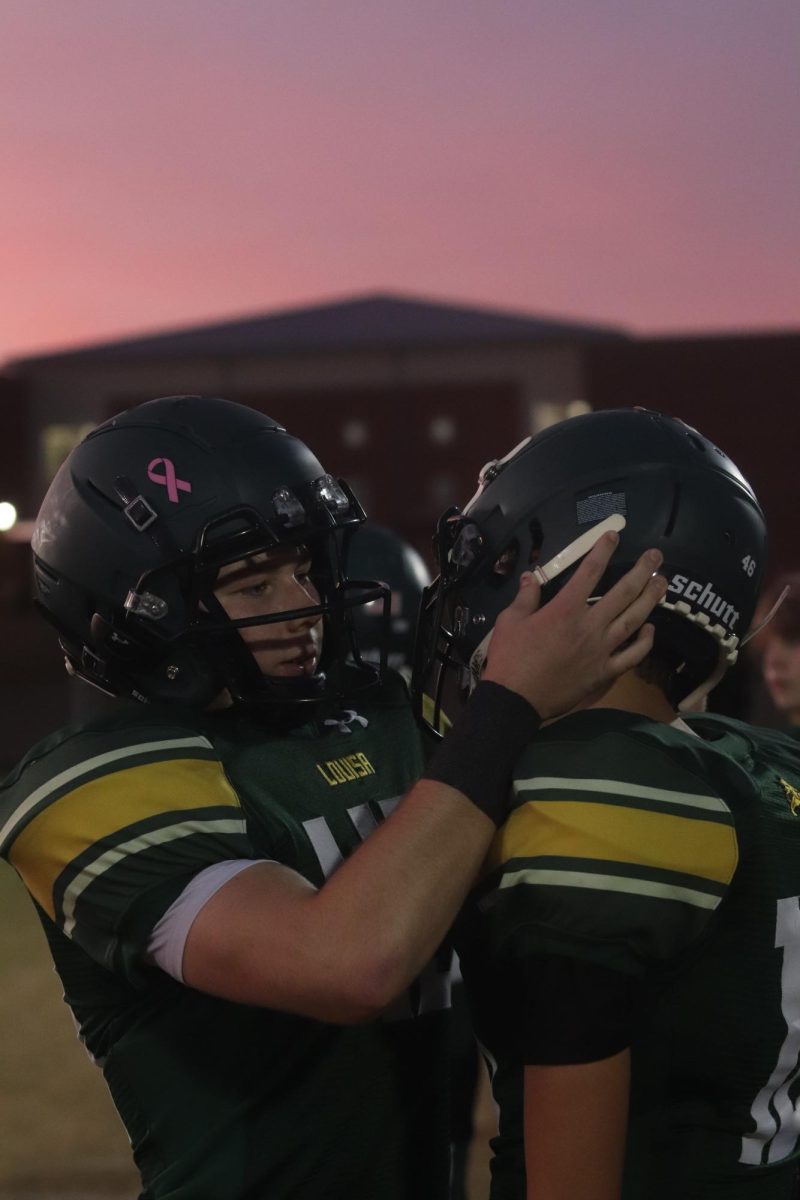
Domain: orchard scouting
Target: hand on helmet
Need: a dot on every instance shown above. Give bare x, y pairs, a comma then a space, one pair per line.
569, 650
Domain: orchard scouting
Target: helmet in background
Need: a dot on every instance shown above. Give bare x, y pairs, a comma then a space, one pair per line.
379, 553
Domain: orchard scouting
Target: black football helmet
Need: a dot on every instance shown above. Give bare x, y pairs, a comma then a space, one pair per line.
655, 480
136, 525
380, 553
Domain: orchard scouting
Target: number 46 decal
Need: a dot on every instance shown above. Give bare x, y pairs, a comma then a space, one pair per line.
776, 1118
748, 565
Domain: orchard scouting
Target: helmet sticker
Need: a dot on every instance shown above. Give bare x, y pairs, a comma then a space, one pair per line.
169, 479
599, 506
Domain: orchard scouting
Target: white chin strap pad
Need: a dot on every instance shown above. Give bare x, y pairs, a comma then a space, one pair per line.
578, 549
551, 570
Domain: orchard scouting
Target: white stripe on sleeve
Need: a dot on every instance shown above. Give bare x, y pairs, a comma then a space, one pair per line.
168, 937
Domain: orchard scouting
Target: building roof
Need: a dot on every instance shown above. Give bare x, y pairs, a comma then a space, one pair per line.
376, 321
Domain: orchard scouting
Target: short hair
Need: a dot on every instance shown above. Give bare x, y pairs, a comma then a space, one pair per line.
683, 655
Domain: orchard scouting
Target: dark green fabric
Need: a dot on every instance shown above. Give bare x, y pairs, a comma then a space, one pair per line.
228, 1101
712, 1112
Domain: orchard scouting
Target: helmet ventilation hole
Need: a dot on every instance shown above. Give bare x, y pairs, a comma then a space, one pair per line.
537, 538
673, 512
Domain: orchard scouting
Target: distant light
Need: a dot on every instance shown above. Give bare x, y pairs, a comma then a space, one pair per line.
442, 430
355, 433
8, 516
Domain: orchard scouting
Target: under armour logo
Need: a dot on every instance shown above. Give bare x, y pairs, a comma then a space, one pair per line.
168, 479
343, 720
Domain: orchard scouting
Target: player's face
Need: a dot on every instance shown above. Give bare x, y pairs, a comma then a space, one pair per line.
781, 668
270, 583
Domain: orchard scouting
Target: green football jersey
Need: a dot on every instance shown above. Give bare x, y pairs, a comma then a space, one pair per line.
639, 847
106, 825
770, 756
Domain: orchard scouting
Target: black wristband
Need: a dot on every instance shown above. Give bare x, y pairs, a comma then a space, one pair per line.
478, 755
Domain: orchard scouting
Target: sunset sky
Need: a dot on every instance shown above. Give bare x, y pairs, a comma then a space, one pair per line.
171, 161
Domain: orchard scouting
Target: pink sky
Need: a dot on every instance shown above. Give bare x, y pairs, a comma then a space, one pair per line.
626, 161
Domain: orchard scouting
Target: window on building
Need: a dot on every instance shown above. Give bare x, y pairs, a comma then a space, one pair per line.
57, 441
548, 412
443, 490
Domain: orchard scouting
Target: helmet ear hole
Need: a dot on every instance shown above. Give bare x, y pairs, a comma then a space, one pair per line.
505, 564
673, 511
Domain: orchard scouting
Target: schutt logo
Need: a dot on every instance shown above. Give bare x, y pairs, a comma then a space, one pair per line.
703, 596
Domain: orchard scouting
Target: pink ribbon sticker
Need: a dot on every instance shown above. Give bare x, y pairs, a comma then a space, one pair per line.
168, 479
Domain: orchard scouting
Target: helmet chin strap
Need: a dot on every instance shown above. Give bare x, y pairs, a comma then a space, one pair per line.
578, 549
755, 632
694, 701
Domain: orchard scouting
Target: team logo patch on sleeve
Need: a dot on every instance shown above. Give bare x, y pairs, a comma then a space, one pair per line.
792, 795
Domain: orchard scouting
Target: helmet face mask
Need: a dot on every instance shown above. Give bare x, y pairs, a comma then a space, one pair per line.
137, 525
542, 507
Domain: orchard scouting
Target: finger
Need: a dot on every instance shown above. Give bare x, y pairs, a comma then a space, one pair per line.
637, 612
591, 569
528, 595
634, 653
632, 584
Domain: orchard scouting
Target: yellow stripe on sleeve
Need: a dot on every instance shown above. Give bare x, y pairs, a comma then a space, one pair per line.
98, 809
614, 833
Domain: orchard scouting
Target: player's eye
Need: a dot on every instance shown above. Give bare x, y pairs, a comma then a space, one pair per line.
255, 590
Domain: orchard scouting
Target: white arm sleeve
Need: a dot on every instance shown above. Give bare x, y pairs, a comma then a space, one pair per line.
168, 936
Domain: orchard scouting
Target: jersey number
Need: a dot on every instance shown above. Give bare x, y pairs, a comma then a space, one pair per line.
776, 1119
431, 991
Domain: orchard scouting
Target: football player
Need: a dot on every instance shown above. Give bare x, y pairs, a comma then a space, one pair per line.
234, 957
632, 951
